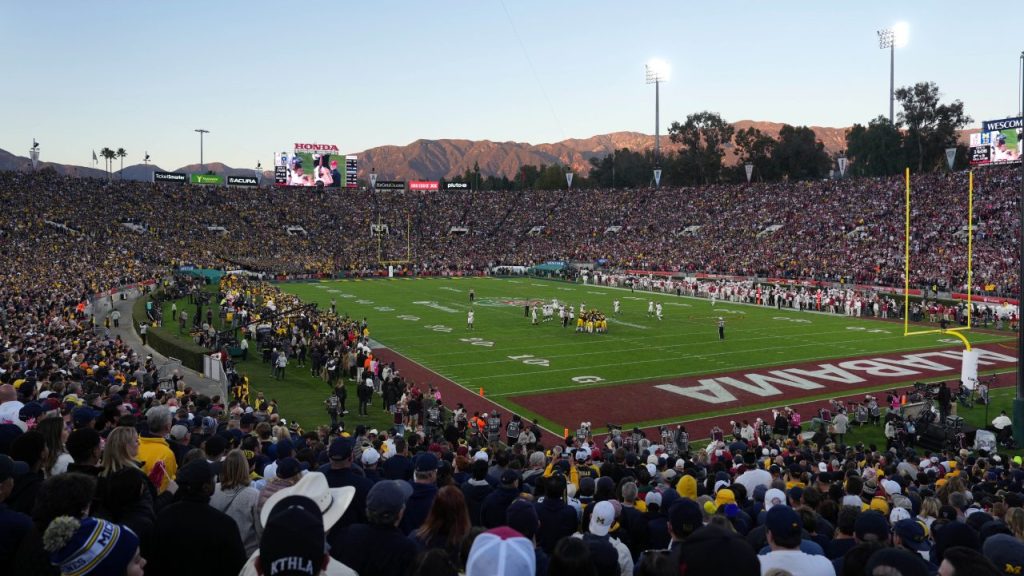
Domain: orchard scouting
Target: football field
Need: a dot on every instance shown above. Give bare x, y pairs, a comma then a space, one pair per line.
643, 371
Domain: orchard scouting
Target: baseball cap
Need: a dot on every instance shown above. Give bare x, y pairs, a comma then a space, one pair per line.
82, 416
426, 462
293, 539
1006, 552
685, 516
178, 431
501, 551
774, 497
602, 518
341, 449
509, 477
370, 456
11, 468
521, 516
911, 532
288, 467
871, 523
387, 498
195, 473
782, 521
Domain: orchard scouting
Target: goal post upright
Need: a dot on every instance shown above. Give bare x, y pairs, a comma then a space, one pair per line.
970, 265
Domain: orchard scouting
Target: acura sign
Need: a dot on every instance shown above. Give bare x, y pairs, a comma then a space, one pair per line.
242, 181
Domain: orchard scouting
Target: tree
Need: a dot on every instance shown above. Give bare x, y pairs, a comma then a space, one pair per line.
757, 148
702, 137
624, 168
552, 178
930, 126
800, 155
108, 155
121, 154
875, 150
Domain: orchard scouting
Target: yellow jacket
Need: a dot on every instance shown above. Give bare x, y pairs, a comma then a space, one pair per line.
153, 450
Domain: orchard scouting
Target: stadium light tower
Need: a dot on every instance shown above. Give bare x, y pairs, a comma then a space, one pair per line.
1018, 402
201, 131
893, 38
657, 72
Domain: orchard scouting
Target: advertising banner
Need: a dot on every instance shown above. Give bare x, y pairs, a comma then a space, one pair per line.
176, 177
351, 171
308, 165
208, 179
456, 185
243, 181
999, 142
423, 185
394, 185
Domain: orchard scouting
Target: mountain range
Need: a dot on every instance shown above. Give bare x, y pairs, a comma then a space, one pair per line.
445, 158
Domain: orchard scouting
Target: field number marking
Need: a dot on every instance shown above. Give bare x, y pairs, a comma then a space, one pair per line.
408, 318
531, 360
788, 319
871, 331
366, 302
730, 311
476, 341
435, 306
438, 328
384, 309
587, 379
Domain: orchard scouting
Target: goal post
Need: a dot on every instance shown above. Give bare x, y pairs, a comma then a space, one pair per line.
970, 265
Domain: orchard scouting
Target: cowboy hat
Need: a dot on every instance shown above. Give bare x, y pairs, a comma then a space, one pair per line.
332, 501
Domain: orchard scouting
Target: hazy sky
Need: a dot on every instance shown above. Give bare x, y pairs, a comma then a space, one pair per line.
143, 74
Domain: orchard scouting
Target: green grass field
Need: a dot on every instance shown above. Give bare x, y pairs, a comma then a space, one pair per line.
425, 320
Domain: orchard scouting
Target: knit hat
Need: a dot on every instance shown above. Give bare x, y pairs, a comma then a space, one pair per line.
499, 552
90, 546
1006, 552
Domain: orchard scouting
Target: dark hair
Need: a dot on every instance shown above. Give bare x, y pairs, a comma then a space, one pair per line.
571, 557
656, 563
28, 448
847, 519
81, 443
67, 494
448, 517
433, 562
969, 562
855, 561
787, 540
478, 469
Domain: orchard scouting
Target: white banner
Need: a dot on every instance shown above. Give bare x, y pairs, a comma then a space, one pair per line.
373, 180
657, 176
950, 157
969, 369
568, 179
842, 166
750, 171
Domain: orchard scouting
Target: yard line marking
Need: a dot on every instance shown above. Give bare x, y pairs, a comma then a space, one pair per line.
672, 375
624, 323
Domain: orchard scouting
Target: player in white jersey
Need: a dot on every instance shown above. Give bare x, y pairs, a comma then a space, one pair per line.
615, 307
657, 310
533, 315
583, 308
469, 320
650, 308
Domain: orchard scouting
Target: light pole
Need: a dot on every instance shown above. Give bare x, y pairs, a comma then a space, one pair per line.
202, 165
33, 153
656, 73
892, 38
1018, 402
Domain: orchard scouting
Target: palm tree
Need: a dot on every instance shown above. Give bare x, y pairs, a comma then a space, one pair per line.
121, 154
109, 156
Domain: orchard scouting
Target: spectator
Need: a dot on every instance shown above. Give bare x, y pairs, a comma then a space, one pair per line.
784, 536
14, 526
91, 546
378, 547
501, 552
234, 496
446, 524
424, 490
153, 448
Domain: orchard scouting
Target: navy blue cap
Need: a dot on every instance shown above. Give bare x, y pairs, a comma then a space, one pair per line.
388, 497
783, 521
426, 462
685, 516
341, 449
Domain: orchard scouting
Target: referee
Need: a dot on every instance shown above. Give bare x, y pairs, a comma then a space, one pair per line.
721, 328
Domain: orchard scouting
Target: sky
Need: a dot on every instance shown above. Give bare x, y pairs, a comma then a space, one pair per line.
260, 76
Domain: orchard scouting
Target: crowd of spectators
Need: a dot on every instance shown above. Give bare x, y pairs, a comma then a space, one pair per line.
133, 480
849, 230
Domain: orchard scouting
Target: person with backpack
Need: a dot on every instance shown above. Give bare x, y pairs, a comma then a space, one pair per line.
333, 405
513, 429
494, 428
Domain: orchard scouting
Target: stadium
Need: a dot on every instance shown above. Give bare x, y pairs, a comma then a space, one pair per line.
738, 341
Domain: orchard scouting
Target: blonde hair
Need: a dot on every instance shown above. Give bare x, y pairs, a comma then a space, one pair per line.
235, 471
930, 508
1015, 520
117, 452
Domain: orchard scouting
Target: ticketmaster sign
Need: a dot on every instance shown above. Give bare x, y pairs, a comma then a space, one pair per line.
210, 179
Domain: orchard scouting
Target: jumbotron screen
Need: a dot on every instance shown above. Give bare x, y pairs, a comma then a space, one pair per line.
319, 165
999, 142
